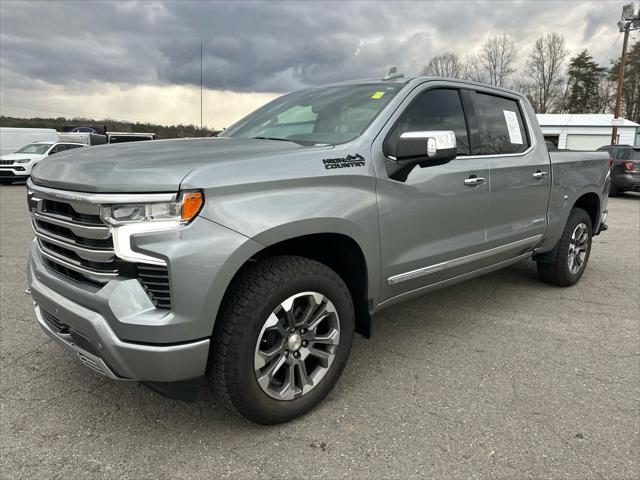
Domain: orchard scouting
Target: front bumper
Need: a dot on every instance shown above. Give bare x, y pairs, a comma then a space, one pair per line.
88, 337
14, 173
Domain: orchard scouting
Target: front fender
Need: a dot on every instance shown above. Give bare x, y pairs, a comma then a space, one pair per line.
273, 212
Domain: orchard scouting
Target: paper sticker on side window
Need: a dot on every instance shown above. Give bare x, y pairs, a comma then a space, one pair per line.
512, 125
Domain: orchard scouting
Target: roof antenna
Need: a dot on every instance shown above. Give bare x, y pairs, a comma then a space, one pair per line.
392, 74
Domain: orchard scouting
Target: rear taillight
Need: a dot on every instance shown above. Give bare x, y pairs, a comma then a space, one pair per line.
610, 162
628, 166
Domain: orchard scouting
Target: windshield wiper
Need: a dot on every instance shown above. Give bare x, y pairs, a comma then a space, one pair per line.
304, 143
273, 138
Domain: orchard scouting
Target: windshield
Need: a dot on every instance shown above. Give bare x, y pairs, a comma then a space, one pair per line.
329, 115
37, 148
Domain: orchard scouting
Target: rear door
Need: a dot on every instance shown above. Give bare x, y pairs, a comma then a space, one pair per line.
520, 171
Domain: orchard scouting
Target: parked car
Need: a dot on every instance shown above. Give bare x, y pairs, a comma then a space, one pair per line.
625, 168
11, 139
18, 166
253, 257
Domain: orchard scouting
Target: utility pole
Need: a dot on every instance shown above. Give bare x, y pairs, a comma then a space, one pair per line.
201, 129
628, 23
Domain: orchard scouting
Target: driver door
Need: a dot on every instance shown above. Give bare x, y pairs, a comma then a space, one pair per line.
432, 223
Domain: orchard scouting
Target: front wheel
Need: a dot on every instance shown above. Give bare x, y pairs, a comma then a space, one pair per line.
572, 252
282, 338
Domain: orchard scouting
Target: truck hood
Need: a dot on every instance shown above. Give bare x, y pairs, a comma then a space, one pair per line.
147, 166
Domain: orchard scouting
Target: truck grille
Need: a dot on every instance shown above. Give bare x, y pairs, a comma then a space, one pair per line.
76, 243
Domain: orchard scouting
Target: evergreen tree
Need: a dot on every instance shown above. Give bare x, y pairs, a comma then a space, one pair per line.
584, 77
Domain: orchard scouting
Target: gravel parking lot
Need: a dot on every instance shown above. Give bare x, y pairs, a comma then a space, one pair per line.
498, 377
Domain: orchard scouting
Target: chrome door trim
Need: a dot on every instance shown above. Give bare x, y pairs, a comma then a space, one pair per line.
452, 280
456, 262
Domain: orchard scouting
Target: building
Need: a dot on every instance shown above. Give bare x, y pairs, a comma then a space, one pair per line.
586, 131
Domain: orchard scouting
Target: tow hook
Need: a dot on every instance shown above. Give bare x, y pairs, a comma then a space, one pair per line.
27, 291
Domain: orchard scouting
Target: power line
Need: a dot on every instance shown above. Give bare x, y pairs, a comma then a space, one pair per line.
611, 49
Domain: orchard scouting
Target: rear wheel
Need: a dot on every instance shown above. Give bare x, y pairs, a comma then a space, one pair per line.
282, 338
572, 252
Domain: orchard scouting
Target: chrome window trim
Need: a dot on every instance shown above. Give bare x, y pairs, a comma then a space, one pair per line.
456, 262
101, 198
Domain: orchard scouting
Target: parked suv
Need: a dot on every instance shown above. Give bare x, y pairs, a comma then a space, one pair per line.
253, 257
625, 168
18, 165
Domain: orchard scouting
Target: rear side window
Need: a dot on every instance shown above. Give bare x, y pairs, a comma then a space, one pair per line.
498, 128
439, 109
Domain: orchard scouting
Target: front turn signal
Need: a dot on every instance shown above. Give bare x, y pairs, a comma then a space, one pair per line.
191, 203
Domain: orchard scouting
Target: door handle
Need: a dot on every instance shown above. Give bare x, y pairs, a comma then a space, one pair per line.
540, 174
474, 181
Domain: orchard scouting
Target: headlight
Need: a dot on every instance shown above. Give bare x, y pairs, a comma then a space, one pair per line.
22, 160
127, 220
179, 212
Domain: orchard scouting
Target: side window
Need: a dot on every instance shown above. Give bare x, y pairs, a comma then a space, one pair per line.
55, 149
439, 109
71, 146
498, 127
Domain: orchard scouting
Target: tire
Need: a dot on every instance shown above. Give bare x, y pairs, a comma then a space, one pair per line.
6, 182
614, 192
245, 331
559, 272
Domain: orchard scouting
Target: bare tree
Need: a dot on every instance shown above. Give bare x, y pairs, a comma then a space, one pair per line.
473, 70
544, 69
446, 65
497, 57
527, 88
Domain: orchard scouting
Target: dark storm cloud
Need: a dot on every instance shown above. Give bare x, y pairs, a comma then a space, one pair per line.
258, 46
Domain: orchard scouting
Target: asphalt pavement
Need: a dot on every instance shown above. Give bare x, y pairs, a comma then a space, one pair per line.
498, 377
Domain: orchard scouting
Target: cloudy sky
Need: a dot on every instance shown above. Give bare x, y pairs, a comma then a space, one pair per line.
140, 60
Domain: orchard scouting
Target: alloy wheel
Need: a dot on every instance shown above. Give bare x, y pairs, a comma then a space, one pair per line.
578, 248
297, 345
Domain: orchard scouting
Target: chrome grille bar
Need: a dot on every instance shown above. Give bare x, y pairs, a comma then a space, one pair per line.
93, 254
80, 229
54, 257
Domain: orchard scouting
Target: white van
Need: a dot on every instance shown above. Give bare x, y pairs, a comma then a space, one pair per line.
11, 139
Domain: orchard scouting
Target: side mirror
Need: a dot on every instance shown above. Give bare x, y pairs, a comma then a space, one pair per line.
426, 149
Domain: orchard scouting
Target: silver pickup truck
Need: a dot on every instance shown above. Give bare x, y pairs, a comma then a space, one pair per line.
252, 258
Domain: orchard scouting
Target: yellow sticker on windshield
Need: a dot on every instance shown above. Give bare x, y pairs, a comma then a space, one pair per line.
377, 95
